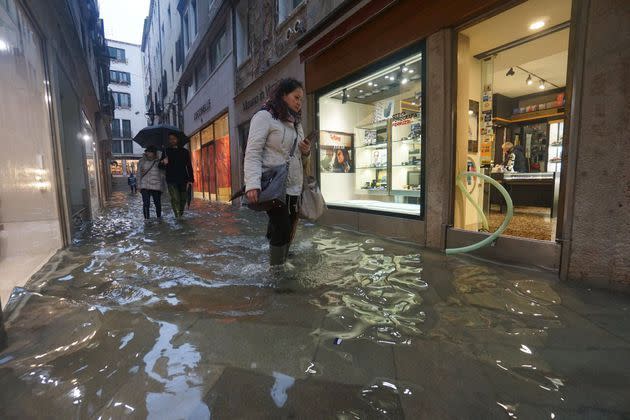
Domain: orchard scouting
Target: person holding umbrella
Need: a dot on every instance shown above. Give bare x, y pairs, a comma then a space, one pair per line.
179, 173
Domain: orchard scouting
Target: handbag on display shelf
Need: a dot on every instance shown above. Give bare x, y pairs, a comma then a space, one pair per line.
312, 204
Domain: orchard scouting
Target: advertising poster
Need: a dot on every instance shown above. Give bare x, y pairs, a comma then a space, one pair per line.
383, 110
336, 152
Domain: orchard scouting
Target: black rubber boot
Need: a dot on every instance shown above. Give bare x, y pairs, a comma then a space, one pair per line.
145, 211
277, 254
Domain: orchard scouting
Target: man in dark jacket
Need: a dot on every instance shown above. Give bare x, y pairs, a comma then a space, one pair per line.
179, 173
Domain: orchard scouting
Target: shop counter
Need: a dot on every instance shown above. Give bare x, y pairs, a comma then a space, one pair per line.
526, 189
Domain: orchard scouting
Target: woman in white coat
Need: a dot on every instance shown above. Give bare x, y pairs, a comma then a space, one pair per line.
272, 134
150, 182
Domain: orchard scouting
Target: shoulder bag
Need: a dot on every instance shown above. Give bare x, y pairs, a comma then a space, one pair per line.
312, 204
273, 185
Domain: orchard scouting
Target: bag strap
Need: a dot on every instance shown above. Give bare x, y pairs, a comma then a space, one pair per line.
294, 141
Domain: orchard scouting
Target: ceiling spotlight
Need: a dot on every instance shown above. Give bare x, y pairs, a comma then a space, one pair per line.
537, 25
404, 81
529, 80
344, 96
413, 103
375, 84
510, 72
405, 69
541, 86
470, 112
410, 70
360, 90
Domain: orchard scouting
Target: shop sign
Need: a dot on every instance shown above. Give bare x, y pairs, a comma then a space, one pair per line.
333, 139
202, 109
404, 118
260, 97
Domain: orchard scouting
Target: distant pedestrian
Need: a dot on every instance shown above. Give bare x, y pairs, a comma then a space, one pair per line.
274, 133
151, 181
132, 182
179, 173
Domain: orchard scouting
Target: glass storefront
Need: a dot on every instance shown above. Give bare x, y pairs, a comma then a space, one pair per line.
512, 71
210, 151
371, 140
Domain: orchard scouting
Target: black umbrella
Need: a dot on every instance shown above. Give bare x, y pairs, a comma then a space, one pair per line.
157, 135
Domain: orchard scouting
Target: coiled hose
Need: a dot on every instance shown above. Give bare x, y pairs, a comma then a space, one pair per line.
506, 221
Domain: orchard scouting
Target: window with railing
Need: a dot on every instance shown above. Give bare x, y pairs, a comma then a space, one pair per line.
117, 54
126, 128
116, 128
120, 77
122, 100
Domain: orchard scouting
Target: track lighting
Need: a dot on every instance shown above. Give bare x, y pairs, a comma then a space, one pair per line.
541, 86
510, 72
529, 80
344, 96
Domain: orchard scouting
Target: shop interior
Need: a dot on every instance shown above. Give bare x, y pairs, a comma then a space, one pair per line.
370, 143
511, 110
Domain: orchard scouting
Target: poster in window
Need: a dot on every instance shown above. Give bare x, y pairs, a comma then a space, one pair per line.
336, 152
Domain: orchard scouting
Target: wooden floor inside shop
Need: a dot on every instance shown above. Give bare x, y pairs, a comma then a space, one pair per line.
528, 222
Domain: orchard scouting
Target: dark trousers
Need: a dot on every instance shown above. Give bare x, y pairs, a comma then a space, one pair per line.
133, 188
146, 202
178, 195
283, 222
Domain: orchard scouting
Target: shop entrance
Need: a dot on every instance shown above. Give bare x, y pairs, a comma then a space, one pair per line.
208, 171
511, 108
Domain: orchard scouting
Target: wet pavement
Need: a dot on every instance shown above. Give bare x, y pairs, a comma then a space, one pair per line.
183, 319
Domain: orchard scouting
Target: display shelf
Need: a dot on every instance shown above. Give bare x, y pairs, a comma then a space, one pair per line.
407, 193
373, 146
372, 167
415, 166
417, 140
373, 126
373, 191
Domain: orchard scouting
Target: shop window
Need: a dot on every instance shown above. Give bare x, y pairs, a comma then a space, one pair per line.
371, 140
510, 117
116, 167
285, 7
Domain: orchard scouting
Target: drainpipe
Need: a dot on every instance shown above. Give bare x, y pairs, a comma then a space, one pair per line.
3, 333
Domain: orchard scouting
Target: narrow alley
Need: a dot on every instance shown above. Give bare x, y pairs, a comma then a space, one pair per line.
184, 319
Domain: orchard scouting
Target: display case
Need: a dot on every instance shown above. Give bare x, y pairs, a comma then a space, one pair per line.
389, 157
556, 130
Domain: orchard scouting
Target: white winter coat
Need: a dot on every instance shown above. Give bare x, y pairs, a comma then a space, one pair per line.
150, 177
269, 144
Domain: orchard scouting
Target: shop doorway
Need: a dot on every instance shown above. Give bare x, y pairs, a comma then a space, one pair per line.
511, 109
208, 171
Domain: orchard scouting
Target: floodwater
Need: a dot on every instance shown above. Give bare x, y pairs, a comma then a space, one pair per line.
183, 319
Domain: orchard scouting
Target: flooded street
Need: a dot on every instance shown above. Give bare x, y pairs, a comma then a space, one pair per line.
184, 319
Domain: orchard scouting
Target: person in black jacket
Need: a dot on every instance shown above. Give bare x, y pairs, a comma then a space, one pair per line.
179, 173
514, 158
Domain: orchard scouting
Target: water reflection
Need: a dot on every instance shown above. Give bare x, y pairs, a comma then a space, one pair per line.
183, 317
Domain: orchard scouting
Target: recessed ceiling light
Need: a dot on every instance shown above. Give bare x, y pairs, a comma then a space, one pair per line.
405, 69
404, 81
411, 70
360, 90
375, 84
370, 83
470, 112
537, 25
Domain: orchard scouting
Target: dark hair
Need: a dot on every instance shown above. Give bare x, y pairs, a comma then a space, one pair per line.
339, 167
277, 106
151, 149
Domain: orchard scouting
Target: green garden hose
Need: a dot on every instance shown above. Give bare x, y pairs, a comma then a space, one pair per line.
506, 221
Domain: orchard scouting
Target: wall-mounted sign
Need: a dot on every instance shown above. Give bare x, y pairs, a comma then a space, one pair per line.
202, 109
336, 154
334, 139
260, 97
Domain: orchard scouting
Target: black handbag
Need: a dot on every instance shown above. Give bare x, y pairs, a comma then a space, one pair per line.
273, 185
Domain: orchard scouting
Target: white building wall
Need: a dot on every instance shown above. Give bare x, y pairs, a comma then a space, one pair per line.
133, 66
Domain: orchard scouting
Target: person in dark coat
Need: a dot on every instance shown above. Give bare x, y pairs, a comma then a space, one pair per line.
514, 158
179, 173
